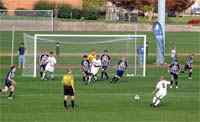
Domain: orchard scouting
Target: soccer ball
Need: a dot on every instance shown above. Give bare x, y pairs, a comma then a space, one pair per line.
136, 97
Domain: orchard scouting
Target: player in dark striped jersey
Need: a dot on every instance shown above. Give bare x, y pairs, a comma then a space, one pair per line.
105, 62
9, 82
188, 66
121, 68
85, 68
43, 60
174, 70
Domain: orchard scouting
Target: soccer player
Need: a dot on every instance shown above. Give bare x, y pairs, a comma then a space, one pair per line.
21, 52
174, 70
92, 56
188, 66
69, 89
10, 83
95, 66
49, 69
160, 91
43, 60
121, 68
85, 68
105, 62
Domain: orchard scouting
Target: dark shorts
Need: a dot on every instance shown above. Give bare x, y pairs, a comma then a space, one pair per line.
104, 68
42, 67
68, 91
187, 67
86, 72
175, 76
8, 83
120, 73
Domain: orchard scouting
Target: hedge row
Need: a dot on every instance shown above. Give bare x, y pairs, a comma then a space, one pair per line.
67, 12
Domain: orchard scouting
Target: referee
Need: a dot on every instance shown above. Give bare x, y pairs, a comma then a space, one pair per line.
68, 83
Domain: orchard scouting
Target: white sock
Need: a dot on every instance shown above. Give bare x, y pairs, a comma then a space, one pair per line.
154, 99
157, 102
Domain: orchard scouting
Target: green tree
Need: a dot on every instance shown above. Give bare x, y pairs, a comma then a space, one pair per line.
93, 4
44, 5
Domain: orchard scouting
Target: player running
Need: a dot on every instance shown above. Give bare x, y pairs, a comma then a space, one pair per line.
160, 91
174, 70
85, 68
10, 83
188, 66
105, 62
95, 66
69, 89
121, 68
43, 60
49, 69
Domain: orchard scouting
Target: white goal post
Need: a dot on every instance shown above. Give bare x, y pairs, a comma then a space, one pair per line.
38, 37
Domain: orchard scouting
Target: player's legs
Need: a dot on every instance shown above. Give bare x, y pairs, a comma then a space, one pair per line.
176, 80
157, 98
190, 74
12, 89
5, 89
104, 73
172, 80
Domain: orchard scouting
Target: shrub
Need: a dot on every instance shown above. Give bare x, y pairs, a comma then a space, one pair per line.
24, 13
76, 13
64, 11
90, 14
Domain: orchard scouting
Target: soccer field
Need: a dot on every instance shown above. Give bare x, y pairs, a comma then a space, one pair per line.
42, 101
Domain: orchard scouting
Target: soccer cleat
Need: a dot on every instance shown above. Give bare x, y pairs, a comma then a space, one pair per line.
171, 87
176, 87
190, 78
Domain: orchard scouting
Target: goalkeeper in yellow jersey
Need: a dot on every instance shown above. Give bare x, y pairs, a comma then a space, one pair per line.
92, 56
69, 90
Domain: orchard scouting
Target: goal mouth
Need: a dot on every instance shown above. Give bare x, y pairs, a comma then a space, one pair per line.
73, 46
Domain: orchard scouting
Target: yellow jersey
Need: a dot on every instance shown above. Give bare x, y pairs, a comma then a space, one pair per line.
91, 57
68, 80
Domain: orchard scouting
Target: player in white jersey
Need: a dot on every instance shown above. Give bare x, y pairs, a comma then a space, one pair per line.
173, 54
95, 66
160, 91
43, 62
49, 69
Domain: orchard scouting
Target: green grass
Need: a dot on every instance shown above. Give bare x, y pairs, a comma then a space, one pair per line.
42, 101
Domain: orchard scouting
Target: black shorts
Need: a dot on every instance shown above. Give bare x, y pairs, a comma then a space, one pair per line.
187, 67
8, 83
104, 68
42, 67
68, 91
175, 76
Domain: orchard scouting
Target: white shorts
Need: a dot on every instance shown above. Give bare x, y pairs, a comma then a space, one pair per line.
94, 70
161, 94
49, 68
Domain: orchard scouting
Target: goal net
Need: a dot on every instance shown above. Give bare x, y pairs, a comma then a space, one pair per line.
73, 47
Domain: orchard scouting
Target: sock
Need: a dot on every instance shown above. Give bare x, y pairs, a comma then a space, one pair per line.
65, 103
157, 102
190, 74
102, 73
72, 102
176, 83
106, 74
154, 99
0, 90
171, 82
10, 95
40, 73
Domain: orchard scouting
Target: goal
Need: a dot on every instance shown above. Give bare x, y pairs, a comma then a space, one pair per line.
73, 47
